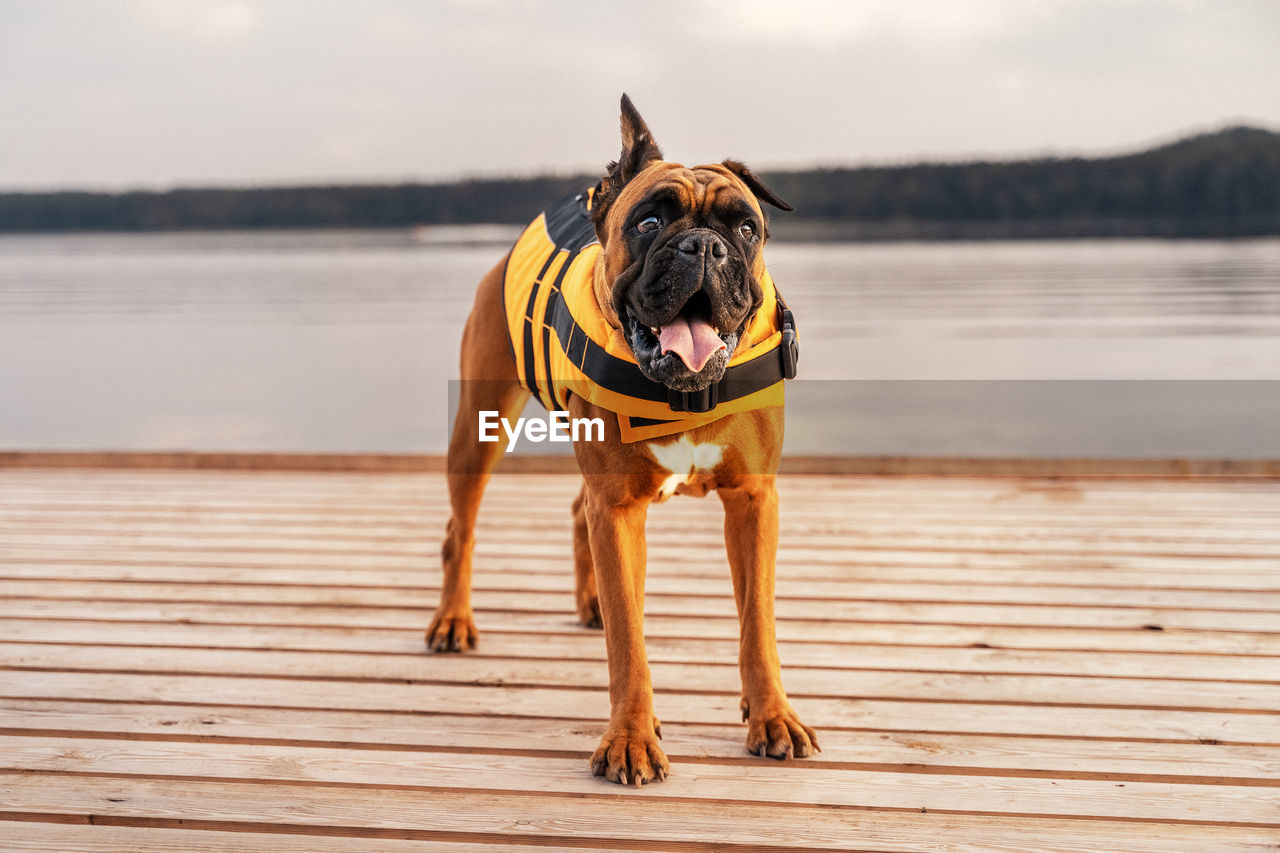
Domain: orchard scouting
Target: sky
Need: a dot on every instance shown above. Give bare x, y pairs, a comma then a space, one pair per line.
163, 93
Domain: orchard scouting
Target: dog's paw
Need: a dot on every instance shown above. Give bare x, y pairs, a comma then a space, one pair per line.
589, 613
451, 633
776, 731
631, 756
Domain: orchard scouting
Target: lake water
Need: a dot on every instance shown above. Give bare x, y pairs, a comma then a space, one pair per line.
345, 341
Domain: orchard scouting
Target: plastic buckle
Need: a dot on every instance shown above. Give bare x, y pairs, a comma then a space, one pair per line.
696, 402
790, 348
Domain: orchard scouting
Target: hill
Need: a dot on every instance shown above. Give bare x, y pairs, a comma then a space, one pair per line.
1216, 184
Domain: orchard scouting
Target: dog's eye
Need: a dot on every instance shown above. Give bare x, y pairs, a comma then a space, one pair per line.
649, 223
748, 231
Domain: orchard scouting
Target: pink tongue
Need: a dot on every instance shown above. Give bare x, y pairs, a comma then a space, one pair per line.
693, 340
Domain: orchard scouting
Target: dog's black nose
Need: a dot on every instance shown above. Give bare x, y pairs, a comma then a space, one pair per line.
705, 244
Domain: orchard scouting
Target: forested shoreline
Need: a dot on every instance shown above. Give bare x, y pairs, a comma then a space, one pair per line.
1222, 184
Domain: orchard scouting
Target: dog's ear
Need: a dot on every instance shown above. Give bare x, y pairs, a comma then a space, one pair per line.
638, 151
757, 187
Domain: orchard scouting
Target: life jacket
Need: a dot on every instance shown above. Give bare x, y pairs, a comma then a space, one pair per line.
564, 345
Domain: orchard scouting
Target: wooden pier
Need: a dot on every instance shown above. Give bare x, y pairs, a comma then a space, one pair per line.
219, 660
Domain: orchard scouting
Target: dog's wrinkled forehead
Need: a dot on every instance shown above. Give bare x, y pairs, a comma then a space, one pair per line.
703, 193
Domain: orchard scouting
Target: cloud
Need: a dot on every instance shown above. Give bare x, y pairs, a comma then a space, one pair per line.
203, 20
923, 21
162, 92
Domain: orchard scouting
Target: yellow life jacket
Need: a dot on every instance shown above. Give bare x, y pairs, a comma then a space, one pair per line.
564, 345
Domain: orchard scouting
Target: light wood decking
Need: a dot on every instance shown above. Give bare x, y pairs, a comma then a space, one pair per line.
224, 661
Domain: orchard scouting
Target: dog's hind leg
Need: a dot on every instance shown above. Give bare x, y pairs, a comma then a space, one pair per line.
488, 372
470, 463
584, 592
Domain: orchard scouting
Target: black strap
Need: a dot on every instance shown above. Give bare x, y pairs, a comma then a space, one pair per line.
569, 223
527, 337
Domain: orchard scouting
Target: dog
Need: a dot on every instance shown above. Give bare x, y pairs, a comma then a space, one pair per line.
642, 305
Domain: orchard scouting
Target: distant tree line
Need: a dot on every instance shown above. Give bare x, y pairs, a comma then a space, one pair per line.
1219, 184
349, 206
1226, 183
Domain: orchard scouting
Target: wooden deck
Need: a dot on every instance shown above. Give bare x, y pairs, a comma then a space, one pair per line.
232, 660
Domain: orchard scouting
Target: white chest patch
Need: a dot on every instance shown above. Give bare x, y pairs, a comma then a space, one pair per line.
684, 459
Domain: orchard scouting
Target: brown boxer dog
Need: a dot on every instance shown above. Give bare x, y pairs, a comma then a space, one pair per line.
670, 236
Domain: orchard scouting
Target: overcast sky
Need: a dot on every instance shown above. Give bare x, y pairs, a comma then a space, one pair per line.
156, 93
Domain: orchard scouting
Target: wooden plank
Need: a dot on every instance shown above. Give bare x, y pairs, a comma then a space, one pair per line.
496, 558
536, 545
367, 589
552, 574
810, 543
353, 496
1041, 491
618, 816
721, 677
672, 707
656, 625
354, 503
588, 645
801, 551
847, 465
361, 514
152, 460
793, 783
29, 837
1099, 759
324, 528
428, 510
876, 497
1084, 615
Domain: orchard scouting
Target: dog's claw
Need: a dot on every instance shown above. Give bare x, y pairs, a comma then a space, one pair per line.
630, 756
451, 634
779, 733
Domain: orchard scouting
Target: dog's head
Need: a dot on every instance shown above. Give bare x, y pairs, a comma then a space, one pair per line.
681, 260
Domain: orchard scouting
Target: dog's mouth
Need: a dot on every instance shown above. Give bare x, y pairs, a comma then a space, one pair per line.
686, 353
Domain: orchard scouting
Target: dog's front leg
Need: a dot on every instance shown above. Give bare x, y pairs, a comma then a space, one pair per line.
751, 539
629, 751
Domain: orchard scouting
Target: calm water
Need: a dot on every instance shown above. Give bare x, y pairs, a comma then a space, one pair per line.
344, 341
